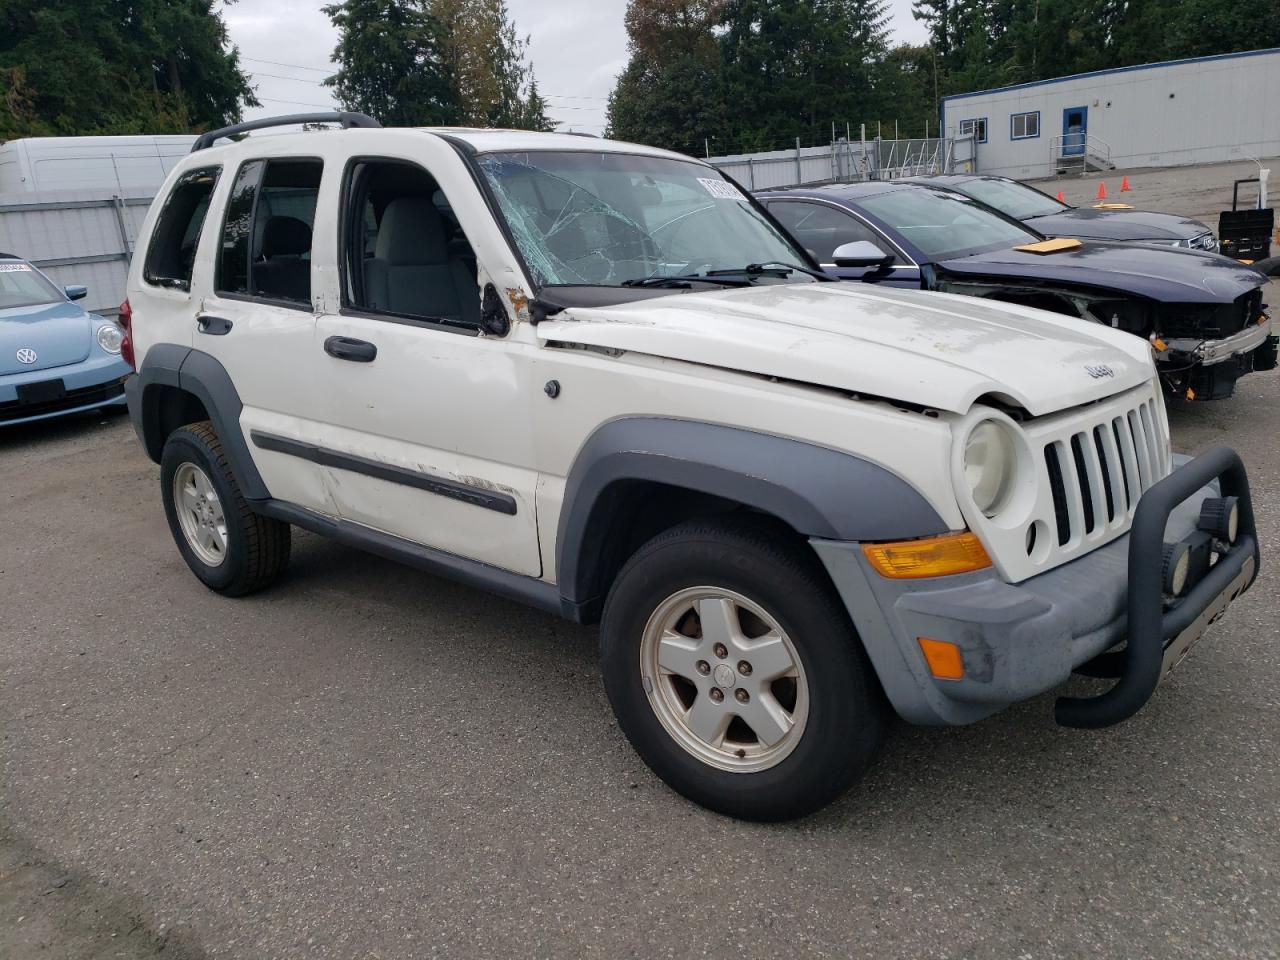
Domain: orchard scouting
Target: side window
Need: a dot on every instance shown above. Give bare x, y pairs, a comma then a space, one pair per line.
1024, 126
977, 127
404, 253
171, 254
821, 228
266, 232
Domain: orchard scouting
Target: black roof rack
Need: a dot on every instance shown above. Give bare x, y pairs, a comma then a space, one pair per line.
347, 120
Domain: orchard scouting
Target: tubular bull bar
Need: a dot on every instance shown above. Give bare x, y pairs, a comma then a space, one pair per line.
1158, 637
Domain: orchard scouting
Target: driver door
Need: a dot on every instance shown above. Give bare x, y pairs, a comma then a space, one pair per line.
426, 422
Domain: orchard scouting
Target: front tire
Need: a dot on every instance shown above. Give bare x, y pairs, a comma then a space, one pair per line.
735, 672
233, 550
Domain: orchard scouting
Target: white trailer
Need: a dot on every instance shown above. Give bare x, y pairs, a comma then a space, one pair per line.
73, 205
117, 164
1203, 110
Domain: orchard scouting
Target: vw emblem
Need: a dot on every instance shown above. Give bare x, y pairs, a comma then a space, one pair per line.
1099, 370
27, 355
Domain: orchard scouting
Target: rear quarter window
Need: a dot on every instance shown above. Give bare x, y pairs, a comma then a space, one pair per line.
171, 254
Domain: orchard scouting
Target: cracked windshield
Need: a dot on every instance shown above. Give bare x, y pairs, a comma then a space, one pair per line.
606, 219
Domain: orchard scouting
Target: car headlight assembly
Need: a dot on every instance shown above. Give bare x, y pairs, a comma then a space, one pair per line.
110, 337
990, 465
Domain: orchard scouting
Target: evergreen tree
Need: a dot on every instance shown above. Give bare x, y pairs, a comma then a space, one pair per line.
794, 67
670, 93
488, 60
989, 43
391, 64
905, 88
535, 111
117, 67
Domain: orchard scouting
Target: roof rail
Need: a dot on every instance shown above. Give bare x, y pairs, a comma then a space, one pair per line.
347, 120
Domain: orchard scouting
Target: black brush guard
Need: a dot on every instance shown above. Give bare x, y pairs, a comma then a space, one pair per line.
1158, 638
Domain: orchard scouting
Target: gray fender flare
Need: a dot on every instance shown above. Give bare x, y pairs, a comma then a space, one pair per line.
201, 375
818, 491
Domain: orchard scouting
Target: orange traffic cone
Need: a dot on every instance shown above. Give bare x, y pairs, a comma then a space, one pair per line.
1124, 184
1102, 189
1061, 198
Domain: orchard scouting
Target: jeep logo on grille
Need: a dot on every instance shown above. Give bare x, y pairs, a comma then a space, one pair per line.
26, 355
1099, 370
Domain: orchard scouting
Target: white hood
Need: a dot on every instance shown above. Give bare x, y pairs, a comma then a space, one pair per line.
931, 349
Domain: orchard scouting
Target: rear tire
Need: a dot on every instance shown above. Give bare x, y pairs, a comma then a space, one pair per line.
774, 722
233, 550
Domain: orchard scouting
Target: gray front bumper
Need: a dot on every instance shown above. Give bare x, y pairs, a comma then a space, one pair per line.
1016, 640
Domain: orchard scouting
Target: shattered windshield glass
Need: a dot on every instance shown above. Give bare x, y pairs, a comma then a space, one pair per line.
607, 219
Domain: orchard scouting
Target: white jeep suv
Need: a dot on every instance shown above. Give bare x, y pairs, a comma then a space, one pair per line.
599, 378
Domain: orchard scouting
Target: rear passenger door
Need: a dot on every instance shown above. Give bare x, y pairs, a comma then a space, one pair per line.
258, 321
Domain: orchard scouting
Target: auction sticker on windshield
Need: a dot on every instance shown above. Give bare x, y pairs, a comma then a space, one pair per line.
14, 268
720, 189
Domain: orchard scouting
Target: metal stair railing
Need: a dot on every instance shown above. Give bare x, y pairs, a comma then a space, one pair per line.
1084, 149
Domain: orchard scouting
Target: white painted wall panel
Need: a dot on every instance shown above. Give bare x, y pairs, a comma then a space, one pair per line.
77, 236
1193, 111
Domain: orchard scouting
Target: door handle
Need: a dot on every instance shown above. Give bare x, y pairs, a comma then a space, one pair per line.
214, 326
348, 348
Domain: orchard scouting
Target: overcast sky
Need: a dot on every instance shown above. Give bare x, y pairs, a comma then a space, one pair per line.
577, 48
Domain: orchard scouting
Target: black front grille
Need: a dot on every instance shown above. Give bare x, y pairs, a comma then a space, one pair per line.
83, 397
1058, 488
1195, 322
1106, 473
1082, 475
1097, 474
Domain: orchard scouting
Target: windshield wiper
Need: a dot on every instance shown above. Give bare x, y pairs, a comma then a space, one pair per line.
685, 280
656, 281
779, 267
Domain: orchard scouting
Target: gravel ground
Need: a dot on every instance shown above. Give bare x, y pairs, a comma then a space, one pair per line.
365, 762
368, 762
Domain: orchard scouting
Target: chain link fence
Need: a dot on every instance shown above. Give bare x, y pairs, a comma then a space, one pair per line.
846, 161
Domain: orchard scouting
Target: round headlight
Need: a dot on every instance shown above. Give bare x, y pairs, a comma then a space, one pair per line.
110, 337
990, 461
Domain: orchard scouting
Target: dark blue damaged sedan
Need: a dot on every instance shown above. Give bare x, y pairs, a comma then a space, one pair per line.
1203, 313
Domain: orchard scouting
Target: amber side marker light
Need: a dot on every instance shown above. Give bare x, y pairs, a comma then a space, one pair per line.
932, 557
943, 658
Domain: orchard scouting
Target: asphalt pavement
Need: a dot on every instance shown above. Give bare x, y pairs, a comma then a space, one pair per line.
368, 762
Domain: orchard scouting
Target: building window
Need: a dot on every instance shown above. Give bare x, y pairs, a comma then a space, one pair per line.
1024, 126
976, 127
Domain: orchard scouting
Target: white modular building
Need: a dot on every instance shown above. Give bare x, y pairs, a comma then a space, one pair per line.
1202, 110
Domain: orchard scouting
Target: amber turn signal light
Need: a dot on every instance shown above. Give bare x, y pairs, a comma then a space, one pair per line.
943, 658
931, 557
